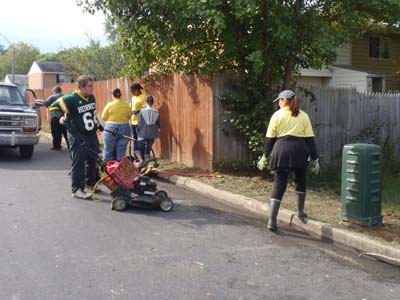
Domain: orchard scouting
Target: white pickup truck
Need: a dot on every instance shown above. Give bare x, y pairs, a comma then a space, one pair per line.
19, 123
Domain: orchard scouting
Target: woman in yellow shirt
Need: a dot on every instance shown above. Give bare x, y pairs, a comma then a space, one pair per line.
138, 102
290, 141
116, 114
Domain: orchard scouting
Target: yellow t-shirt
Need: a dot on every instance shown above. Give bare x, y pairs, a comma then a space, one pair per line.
117, 111
282, 123
137, 103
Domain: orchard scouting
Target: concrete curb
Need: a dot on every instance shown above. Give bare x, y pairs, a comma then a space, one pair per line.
320, 230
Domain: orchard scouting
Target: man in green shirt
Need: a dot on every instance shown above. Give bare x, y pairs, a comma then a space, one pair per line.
80, 116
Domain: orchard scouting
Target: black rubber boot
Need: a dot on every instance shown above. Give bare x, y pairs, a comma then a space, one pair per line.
274, 208
301, 199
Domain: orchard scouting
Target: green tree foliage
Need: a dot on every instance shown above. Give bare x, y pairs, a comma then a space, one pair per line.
94, 59
100, 62
2, 50
265, 42
214, 36
25, 55
50, 57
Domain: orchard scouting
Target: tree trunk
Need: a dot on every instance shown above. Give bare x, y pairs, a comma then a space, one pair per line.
290, 62
266, 40
288, 73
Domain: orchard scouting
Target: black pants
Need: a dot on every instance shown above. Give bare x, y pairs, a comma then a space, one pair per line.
281, 180
135, 131
135, 136
58, 131
84, 151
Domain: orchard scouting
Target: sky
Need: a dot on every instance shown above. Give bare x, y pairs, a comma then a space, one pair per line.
49, 25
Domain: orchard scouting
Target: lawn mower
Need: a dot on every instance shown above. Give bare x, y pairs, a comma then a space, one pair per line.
129, 187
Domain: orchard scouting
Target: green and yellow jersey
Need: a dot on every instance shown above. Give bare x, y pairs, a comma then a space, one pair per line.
55, 110
81, 112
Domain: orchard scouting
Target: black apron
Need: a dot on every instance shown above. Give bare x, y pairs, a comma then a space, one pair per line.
289, 152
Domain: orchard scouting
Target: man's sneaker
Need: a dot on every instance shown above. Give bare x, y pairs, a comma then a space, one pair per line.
81, 194
89, 188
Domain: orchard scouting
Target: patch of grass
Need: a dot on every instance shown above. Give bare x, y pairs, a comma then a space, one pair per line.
391, 192
328, 181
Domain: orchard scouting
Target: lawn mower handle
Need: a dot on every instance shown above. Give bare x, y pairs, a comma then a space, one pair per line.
115, 133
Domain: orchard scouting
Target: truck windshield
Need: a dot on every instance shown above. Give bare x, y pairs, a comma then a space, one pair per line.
10, 95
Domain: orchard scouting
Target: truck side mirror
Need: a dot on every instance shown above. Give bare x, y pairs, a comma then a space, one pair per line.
31, 95
39, 102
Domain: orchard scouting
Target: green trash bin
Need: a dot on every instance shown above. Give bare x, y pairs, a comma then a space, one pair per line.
361, 184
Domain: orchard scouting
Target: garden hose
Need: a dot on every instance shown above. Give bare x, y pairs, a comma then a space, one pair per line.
97, 183
209, 175
94, 188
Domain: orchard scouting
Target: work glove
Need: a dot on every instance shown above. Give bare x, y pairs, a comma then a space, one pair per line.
314, 164
262, 163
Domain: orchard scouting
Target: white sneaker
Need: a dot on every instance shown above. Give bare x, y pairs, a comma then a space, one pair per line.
89, 188
82, 195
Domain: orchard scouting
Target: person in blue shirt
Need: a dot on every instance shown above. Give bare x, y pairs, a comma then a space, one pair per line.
57, 130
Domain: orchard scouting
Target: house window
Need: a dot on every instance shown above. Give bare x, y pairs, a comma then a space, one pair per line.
379, 47
62, 78
377, 84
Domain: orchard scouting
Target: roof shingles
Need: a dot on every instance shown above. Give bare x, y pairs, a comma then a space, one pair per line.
53, 67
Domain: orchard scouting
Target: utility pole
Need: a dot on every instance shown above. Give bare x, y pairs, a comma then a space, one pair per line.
12, 58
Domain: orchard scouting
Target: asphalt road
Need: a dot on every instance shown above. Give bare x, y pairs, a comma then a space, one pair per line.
53, 246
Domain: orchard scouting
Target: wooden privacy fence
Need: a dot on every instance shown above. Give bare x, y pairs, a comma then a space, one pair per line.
186, 114
341, 116
193, 132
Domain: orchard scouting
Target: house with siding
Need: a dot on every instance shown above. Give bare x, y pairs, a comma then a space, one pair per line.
369, 64
44, 75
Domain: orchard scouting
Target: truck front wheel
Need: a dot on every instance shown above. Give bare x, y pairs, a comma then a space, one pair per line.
26, 151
